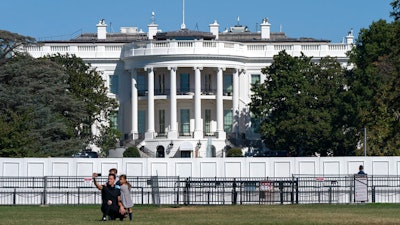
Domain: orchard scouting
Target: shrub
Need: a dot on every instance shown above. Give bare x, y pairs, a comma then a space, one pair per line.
132, 152
234, 152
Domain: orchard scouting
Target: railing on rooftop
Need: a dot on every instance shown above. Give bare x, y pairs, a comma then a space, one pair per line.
193, 47
170, 47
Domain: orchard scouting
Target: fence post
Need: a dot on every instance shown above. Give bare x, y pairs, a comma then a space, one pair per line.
234, 193
352, 180
44, 202
15, 197
186, 192
79, 195
281, 191
330, 194
297, 190
178, 190
292, 191
373, 194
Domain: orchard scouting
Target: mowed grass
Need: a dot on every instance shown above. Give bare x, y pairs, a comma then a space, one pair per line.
229, 215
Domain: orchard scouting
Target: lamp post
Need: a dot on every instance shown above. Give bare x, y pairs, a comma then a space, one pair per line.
365, 141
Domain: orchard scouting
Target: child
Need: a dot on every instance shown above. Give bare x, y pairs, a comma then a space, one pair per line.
126, 199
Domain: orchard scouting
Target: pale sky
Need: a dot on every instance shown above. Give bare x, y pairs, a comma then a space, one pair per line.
65, 19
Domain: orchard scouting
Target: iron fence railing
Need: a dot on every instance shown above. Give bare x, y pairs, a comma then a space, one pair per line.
298, 189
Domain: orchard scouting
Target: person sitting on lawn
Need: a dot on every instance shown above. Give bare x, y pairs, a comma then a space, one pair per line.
111, 198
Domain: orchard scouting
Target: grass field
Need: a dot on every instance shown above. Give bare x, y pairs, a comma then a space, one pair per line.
229, 215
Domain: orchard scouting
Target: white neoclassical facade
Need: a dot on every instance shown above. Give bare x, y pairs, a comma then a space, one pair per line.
185, 93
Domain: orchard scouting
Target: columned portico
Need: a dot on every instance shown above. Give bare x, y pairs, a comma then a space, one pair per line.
150, 103
134, 103
173, 132
198, 127
220, 104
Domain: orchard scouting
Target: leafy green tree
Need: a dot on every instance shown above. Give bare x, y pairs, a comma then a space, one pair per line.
55, 102
300, 107
36, 110
10, 42
87, 85
376, 85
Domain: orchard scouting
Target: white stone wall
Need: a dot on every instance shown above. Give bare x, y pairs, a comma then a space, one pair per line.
200, 167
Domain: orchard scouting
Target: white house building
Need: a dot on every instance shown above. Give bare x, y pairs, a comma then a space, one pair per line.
185, 93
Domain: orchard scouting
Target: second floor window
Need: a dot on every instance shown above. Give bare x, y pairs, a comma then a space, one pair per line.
228, 84
184, 82
161, 84
141, 85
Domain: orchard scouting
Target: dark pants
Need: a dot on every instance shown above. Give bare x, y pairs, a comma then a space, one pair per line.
112, 211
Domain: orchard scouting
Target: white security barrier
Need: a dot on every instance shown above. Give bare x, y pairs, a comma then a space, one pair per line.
199, 167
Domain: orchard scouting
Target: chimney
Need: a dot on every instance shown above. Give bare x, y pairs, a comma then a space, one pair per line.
214, 29
152, 28
101, 30
265, 29
350, 37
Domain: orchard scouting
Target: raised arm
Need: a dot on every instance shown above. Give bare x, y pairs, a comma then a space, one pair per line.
99, 186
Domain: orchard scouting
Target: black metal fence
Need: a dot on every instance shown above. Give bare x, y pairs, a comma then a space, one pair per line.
298, 189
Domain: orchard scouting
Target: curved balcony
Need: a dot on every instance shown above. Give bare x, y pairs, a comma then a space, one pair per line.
203, 47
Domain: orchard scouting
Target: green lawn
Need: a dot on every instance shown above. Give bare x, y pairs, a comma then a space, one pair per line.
229, 215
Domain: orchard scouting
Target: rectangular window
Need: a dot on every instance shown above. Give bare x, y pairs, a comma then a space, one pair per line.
184, 82
207, 122
114, 119
161, 85
113, 84
141, 121
185, 122
141, 85
161, 117
207, 83
228, 84
255, 78
228, 121
186, 154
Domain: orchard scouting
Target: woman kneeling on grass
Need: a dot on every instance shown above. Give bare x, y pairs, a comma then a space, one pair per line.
126, 195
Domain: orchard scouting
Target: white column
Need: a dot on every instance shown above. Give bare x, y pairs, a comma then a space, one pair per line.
173, 132
220, 105
198, 129
134, 104
150, 103
235, 100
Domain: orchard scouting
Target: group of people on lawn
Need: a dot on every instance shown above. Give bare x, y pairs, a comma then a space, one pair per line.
115, 195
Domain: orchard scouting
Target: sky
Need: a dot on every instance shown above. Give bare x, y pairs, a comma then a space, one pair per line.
65, 19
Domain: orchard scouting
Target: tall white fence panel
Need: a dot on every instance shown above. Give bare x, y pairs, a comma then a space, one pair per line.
199, 167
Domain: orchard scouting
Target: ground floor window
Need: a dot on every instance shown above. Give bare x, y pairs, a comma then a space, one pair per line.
161, 118
186, 154
228, 121
185, 121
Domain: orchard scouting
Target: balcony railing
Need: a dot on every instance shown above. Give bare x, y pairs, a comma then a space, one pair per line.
205, 47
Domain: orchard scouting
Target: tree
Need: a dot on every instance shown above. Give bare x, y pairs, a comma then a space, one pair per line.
10, 42
87, 85
36, 110
55, 102
376, 85
300, 106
